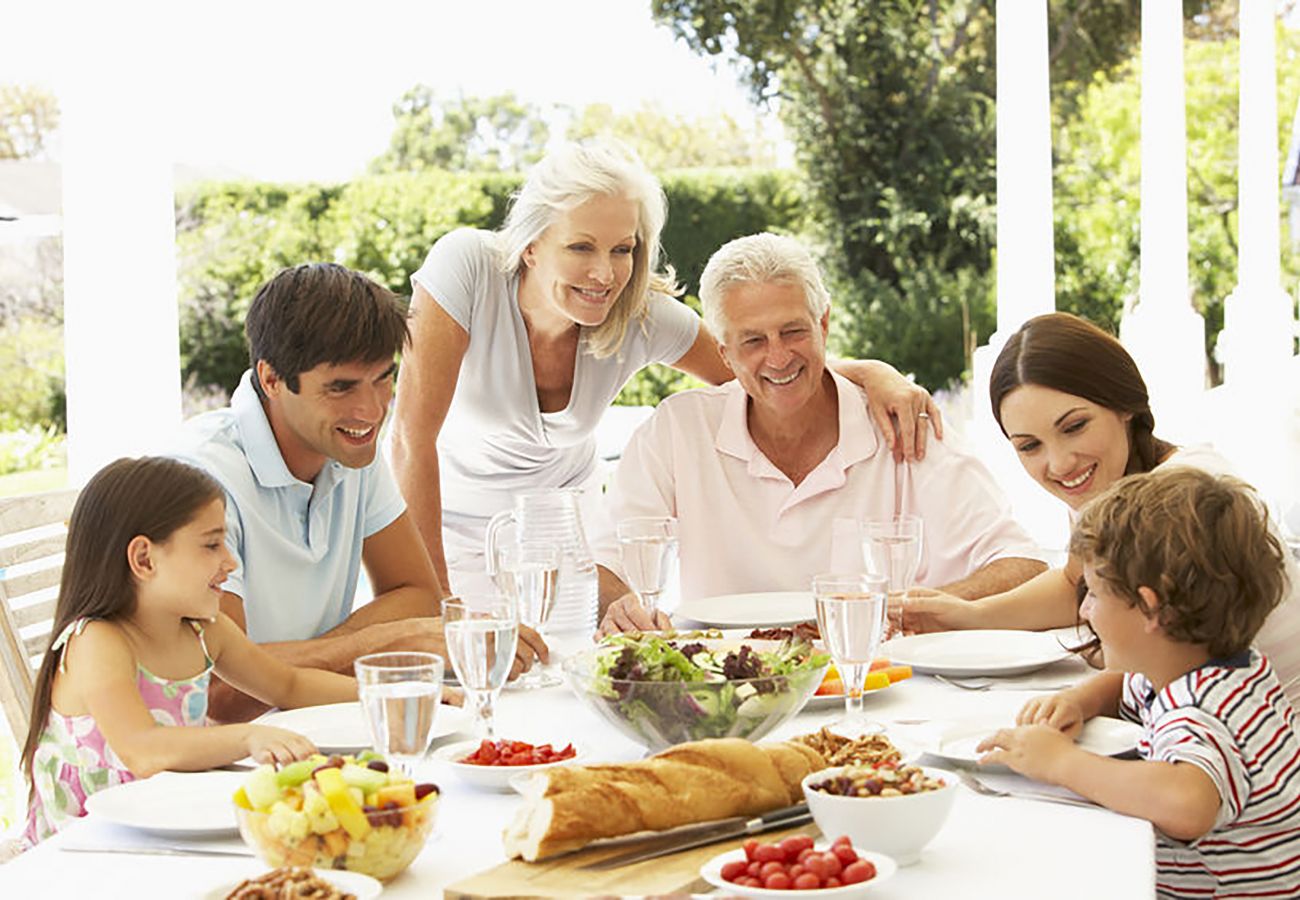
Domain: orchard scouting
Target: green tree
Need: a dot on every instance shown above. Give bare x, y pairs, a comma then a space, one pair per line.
891, 109
482, 134
28, 117
666, 141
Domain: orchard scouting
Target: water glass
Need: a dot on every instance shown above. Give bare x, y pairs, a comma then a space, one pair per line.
527, 573
481, 636
851, 612
649, 548
891, 549
400, 693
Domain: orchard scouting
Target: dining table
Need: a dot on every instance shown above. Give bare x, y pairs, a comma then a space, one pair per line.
1023, 845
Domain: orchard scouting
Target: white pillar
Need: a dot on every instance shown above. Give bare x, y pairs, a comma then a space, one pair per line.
1259, 319
120, 315
1164, 333
1026, 272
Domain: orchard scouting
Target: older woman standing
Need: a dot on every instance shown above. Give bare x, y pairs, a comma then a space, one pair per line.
520, 340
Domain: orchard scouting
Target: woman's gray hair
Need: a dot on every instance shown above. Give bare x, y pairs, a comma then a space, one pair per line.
568, 177
759, 259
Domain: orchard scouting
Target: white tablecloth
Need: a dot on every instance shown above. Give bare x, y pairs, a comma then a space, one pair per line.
990, 847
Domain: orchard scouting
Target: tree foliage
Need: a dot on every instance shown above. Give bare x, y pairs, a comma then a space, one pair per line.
28, 117
891, 108
667, 141
464, 134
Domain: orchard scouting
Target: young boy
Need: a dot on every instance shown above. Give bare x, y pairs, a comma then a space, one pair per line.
1181, 571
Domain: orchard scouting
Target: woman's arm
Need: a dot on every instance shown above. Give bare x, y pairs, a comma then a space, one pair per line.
101, 669
252, 670
426, 383
890, 395
1048, 600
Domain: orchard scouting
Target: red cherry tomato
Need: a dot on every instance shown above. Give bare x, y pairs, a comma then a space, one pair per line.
750, 846
833, 865
777, 881
858, 872
733, 870
753, 869
769, 853
807, 882
791, 847
842, 840
770, 868
845, 853
833, 881
804, 854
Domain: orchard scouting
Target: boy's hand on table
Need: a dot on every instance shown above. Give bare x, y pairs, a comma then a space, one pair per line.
1035, 751
1060, 711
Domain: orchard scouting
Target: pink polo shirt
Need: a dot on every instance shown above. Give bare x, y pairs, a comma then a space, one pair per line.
743, 526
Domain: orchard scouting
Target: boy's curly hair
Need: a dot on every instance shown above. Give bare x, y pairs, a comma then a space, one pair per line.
1201, 542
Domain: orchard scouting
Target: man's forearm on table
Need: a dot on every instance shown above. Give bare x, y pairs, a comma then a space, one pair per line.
998, 576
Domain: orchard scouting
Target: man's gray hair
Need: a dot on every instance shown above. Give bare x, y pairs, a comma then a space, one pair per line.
759, 259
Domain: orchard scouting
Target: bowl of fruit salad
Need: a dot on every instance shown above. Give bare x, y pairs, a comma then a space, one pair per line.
336, 812
493, 765
887, 806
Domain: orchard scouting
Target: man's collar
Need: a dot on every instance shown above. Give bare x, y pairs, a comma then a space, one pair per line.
260, 447
858, 438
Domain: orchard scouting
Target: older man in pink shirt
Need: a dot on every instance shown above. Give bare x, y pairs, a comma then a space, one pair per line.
769, 474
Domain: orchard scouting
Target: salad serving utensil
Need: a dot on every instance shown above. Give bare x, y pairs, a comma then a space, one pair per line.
688, 837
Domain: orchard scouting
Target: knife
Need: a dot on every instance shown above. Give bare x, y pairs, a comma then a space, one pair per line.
691, 836
158, 851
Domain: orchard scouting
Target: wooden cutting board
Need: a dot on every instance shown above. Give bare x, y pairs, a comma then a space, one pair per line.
561, 877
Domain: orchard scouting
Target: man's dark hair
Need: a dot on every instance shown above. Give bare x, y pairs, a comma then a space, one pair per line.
322, 313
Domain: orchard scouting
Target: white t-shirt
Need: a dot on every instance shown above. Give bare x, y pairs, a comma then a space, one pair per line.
495, 441
1280, 636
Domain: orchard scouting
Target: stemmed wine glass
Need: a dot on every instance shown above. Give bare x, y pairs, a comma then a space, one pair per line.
892, 550
649, 547
481, 634
851, 616
400, 693
528, 573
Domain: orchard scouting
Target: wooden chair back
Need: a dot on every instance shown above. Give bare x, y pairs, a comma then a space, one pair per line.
33, 533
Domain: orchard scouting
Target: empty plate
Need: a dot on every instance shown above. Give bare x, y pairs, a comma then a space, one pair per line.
956, 741
341, 727
768, 609
177, 804
985, 652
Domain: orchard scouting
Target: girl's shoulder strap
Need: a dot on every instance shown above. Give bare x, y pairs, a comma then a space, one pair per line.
76, 626
197, 625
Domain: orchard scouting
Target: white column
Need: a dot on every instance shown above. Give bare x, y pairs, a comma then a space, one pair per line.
120, 316
1026, 272
1259, 320
1163, 332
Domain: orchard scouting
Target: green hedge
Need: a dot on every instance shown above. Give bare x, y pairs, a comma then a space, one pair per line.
232, 236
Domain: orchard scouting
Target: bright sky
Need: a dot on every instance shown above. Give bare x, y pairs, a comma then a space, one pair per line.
296, 90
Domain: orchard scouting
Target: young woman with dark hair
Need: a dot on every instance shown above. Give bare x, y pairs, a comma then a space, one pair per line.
1072, 402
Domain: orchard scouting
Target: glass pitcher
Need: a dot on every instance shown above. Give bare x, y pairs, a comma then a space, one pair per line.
553, 515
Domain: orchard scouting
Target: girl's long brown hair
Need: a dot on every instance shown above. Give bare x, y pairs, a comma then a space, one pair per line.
150, 496
1069, 354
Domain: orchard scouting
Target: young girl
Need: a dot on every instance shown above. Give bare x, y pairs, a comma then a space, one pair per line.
1182, 572
1072, 402
137, 634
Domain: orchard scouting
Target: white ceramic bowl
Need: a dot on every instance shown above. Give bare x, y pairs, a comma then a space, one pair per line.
491, 778
711, 872
897, 826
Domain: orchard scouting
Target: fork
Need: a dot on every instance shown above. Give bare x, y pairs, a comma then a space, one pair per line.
980, 787
966, 684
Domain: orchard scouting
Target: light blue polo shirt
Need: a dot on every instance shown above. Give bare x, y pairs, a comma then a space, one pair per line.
298, 545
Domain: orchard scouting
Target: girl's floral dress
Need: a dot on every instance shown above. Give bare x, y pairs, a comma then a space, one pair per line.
73, 761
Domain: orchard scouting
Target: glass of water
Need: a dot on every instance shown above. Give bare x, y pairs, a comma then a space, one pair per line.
481, 632
891, 549
649, 548
851, 613
528, 573
400, 693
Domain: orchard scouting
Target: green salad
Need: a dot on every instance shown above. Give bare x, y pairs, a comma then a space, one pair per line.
669, 690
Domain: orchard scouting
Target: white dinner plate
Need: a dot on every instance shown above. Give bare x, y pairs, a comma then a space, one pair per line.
769, 609
984, 652
956, 741
177, 804
341, 727
362, 886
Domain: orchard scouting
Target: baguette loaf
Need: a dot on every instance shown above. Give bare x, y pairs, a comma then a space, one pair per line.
570, 806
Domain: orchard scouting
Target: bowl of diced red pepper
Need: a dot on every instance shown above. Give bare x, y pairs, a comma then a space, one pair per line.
491, 764
799, 867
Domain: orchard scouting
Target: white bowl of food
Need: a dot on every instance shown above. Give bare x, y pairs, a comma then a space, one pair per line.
789, 872
491, 765
889, 808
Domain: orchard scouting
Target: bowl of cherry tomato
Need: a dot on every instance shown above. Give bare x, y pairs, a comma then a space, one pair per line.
798, 867
491, 764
